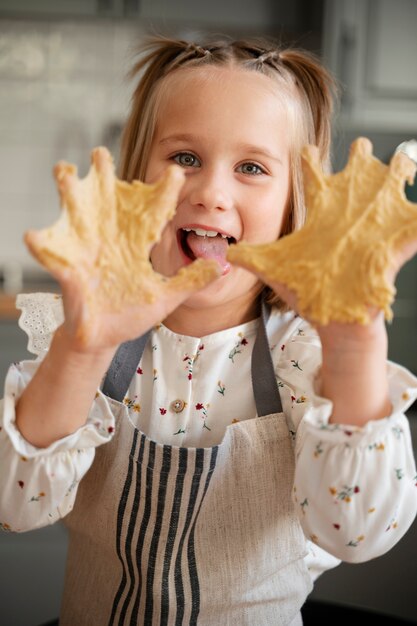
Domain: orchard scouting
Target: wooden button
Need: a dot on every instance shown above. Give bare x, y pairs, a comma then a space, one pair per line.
177, 406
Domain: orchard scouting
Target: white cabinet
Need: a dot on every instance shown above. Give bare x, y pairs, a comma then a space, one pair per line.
236, 13
371, 46
263, 15
64, 8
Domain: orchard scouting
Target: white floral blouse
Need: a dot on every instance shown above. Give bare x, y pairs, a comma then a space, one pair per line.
355, 489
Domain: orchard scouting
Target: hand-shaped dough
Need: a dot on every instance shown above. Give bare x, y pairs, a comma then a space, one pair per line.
357, 220
105, 233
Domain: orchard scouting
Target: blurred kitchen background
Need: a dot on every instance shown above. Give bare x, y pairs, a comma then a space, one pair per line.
63, 91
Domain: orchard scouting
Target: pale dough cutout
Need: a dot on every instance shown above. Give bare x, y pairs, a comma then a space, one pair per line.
105, 232
356, 219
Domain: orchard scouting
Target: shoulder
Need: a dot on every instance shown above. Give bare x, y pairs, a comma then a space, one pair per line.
41, 314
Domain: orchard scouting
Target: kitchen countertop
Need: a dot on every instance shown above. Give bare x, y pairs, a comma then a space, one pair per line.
8, 310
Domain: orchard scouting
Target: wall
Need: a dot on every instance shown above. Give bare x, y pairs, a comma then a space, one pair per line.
63, 92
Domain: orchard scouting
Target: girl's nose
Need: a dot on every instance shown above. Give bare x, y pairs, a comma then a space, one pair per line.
211, 191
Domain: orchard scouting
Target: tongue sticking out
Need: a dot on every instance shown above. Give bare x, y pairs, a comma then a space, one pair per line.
209, 248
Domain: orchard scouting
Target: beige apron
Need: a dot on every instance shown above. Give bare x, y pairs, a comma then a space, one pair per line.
180, 536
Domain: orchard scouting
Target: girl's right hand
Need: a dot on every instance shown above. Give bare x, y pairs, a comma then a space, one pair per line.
99, 253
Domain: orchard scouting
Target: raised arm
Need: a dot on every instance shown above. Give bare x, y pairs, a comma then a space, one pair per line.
99, 252
338, 271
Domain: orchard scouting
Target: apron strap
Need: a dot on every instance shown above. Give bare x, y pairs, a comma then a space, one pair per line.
123, 367
264, 383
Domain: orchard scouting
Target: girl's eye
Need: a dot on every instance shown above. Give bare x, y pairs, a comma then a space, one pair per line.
251, 168
186, 159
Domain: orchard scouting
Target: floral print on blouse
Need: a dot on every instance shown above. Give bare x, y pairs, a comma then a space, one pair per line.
355, 489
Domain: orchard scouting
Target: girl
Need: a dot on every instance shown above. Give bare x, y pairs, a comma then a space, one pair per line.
228, 480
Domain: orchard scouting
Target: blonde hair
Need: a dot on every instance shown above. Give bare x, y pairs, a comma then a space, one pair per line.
307, 90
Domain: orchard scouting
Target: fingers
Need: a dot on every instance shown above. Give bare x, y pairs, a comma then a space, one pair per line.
171, 183
403, 168
400, 258
163, 199
76, 193
257, 258
65, 176
31, 239
68, 185
35, 242
102, 166
102, 160
360, 147
194, 277
312, 168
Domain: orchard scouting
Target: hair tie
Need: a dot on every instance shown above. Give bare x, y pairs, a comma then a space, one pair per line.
268, 56
197, 50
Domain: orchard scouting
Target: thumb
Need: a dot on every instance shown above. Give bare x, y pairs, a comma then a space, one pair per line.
259, 260
194, 277
169, 293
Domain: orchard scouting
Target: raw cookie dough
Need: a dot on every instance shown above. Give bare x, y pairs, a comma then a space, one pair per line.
356, 220
106, 231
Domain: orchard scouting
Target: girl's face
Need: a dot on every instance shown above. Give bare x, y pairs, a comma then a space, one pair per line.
228, 129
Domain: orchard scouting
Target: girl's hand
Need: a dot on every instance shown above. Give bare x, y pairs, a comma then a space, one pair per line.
99, 253
360, 230
338, 272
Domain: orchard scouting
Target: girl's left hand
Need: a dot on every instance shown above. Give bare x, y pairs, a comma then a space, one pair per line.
338, 272
359, 232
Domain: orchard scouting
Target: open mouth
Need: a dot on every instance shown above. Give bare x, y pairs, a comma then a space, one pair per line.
207, 244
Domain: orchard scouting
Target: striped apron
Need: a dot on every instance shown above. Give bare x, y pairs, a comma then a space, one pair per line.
166, 535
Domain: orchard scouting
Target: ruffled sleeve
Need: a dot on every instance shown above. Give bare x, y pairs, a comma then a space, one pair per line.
41, 314
355, 489
38, 486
